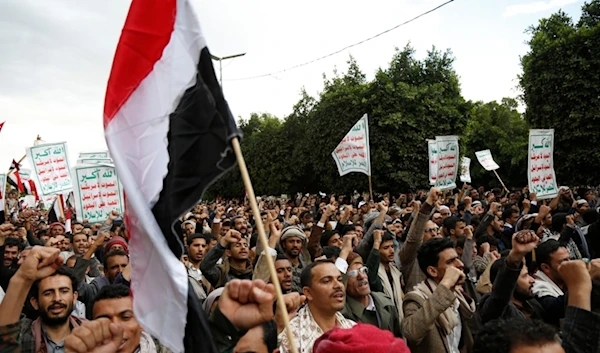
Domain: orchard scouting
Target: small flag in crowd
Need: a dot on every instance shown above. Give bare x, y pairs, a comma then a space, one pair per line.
169, 130
15, 176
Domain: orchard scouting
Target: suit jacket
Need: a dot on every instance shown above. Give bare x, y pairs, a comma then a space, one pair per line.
420, 325
386, 311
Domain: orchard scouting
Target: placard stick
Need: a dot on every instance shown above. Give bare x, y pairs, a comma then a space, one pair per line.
263, 240
501, 182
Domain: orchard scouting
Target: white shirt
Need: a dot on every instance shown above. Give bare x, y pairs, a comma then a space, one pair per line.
454, 336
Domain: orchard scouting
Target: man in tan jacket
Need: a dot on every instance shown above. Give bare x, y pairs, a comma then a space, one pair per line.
436, 311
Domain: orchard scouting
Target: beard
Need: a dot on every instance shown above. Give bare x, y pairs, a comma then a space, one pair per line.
56, 320
522, 295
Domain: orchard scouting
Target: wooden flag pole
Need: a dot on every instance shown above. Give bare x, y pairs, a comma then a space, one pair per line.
501, 182
263, 240
19, 162
371, 188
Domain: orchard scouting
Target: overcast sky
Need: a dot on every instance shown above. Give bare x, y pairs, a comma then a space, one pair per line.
55, 56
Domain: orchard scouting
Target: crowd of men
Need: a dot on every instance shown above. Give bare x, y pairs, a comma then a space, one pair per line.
464, 271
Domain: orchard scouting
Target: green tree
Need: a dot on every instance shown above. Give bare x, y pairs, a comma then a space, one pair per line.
500, 128
561, 88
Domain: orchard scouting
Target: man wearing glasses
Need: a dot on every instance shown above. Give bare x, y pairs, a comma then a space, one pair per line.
368, 307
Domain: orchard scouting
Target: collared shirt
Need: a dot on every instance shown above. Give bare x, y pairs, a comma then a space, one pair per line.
51, 346
195, 273
306, 331
371, 306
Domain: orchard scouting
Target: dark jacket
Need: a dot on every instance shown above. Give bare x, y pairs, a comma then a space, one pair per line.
498, 304
386, 316
219, 275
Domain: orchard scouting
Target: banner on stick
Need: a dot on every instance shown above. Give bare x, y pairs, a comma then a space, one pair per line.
540, 164
432, 151
465, 170
50, 168
97, 192
447, 162
352, 153
485, 159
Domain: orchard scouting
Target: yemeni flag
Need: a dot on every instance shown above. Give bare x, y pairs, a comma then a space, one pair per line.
169, 130
14, 178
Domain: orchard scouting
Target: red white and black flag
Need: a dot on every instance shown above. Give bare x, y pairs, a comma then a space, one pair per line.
169, 130
14, 178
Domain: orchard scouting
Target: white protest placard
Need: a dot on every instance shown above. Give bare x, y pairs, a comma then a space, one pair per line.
97, 192
447, 162
95, 161
485, 159
50, 168
94, 155
2, 190
432, 152
352, 153
540, 164
465, 170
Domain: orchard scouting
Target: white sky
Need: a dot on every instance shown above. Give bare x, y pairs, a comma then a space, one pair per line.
55, 56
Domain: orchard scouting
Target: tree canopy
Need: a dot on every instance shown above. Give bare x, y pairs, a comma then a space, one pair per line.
561, 88
413, 99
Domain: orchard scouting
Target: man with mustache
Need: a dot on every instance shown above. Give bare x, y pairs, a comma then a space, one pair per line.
236, 265
363, 305
53, 296
323, 287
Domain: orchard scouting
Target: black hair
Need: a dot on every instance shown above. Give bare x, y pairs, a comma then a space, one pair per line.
270, 335
304, 214
191, 238
502, 336
487, 239
112, 253
545, 250
328, 234
331, 252
61, 271
347, 228
112, 291
386, 237
281, 256
226, 223
306, 275
41, 233
10, 242
86, 236
450, 223
429, 252
508, 212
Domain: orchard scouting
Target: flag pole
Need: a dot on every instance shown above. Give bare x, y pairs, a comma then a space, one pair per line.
501, 182
19, 162
263, 240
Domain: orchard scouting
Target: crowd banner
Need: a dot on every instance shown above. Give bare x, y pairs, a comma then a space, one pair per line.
540, 164
465, 170
2, 191
106, 161
432, 151
352, 153
97, 192
94, 155
50, 168
447, 162
486, 160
